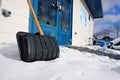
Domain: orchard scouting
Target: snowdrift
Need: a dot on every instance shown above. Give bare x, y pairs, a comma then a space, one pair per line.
72, 65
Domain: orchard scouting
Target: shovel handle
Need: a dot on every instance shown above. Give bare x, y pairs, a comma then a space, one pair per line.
35, 18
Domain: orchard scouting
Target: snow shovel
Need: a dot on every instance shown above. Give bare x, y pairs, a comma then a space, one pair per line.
36, 47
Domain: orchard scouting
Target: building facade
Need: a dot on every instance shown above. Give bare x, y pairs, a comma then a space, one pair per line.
71, 22
17, 21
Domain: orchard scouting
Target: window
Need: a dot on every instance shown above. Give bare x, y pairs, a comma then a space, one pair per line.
65, 15
47, 12
83, 16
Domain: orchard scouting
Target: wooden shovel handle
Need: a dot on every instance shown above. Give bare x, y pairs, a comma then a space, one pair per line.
35, 18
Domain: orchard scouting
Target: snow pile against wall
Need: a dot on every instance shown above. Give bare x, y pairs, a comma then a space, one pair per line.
18, 21
72, 65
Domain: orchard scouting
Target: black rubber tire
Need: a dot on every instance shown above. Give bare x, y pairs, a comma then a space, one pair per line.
26, 48
19, 42
39, 49
51, 47
48, 47
33, 47
55, 48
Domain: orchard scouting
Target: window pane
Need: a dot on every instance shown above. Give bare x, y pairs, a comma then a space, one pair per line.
65, 15
47, 11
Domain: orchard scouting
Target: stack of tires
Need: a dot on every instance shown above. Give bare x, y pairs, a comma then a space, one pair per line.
33, 47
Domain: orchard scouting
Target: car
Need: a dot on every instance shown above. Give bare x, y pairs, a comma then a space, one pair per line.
114, 44
98, 41
105, 39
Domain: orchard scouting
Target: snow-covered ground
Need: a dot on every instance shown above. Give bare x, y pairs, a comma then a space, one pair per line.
72, 65
104, 49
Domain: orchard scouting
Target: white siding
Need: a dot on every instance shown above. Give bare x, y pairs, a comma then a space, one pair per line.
18, 21
83, 32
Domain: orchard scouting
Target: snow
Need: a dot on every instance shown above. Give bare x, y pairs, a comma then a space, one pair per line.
116, 40
116, 47
72, 65
105, 49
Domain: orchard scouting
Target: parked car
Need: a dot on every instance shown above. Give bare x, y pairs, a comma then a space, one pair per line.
96, 41
114, 44
105, 39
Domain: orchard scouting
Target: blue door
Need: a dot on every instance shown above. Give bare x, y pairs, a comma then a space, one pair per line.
55, 17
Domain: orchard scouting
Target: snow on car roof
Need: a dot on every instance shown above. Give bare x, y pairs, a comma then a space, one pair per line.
116, 40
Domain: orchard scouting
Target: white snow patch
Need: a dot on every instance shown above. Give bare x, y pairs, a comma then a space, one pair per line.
117, 47
116, 40
71, 65
104, 49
